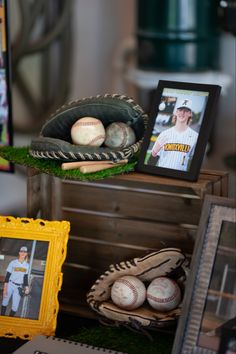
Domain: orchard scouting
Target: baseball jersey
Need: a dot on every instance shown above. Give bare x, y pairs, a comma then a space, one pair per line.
18, 270
178, 148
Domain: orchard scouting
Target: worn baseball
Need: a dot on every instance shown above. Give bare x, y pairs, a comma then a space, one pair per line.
88, 131
119, 135
128, 292
163, 294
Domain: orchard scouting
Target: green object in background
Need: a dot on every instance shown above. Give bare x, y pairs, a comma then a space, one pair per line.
178, 35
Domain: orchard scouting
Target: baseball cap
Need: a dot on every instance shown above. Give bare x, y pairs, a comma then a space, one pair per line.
186, 103
23, 249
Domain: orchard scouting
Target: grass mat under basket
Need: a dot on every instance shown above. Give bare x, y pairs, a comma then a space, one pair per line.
20, 155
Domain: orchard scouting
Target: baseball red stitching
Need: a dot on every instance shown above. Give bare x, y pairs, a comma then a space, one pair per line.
132, 288
125, 134
87, 123
96, 138
168, 299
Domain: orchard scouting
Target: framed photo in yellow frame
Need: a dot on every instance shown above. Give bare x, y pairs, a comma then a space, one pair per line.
32, 252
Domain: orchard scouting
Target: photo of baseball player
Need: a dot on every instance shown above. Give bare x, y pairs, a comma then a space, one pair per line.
16, 277
175, 132
22, 277
175, 146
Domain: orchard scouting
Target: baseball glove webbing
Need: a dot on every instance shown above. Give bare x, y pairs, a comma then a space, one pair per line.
55, 141
169, 262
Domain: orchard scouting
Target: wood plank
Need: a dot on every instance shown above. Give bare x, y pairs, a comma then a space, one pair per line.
76, 283
141, 234
225, 186
217, 188
81, 310
219, 173
46, 197
196, 187
99, 256
173, 190
78, 278
56, 197
134, 205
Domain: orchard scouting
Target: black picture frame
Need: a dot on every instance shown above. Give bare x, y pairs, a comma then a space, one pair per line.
6, 126
199, 103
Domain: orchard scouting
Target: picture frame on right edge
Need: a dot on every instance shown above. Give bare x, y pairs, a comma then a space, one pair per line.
178, 130
208, 318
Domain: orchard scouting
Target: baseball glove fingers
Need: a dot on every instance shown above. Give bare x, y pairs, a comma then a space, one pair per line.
55, 136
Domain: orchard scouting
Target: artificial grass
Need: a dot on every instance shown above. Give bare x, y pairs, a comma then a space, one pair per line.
125, 340
114, 337
20, 155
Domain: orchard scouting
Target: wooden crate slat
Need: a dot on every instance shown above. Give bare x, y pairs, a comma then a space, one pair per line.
168, 209
99, 255
133, 232
77, 282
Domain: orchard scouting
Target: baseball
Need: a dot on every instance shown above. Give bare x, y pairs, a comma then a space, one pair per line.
163, 294
88, 131
119, 135
128, 292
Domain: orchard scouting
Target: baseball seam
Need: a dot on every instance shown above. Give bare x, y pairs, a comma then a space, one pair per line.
124, 136
168, 299
99, 137
132, 288
84, 124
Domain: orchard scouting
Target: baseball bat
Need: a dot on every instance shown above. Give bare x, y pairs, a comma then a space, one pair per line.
78, 164
99, 167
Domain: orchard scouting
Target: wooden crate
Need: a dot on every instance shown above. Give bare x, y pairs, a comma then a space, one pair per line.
117, 219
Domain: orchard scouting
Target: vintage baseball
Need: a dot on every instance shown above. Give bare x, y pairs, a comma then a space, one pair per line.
128, 292
163, 294
119, 135
88, 131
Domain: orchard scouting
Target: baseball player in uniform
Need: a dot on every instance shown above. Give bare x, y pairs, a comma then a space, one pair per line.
16, 276
175, 146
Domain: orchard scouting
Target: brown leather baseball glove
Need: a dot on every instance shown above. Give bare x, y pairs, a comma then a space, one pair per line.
169, 262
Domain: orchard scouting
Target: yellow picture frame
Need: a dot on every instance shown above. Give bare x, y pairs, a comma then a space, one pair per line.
40, 246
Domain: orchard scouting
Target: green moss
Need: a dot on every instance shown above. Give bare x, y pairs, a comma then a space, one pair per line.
20, 155
125, 340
